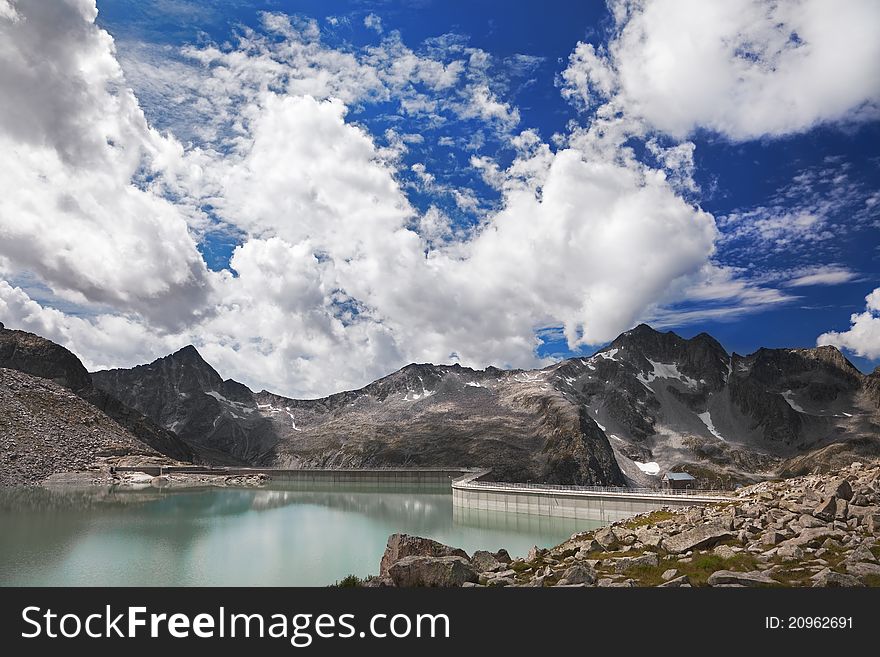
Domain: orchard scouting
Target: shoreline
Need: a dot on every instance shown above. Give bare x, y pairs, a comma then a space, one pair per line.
817, 530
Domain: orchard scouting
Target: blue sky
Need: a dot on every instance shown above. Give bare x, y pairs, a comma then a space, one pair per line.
757, 216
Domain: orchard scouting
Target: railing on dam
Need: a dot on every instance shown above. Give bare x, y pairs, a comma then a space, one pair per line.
697, 492
595, 503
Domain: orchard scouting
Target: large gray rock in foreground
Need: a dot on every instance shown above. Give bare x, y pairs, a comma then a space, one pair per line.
432, 571
401, 546
699, 537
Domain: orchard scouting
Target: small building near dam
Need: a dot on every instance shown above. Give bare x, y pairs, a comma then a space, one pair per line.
678, 481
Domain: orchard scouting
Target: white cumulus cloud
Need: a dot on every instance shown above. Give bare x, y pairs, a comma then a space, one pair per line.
76, 203
336, 279
863, 336
742, 68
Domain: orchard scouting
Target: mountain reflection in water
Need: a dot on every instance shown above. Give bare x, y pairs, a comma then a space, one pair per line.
287, 535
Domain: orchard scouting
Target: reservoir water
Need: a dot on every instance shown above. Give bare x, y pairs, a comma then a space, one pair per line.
283, 535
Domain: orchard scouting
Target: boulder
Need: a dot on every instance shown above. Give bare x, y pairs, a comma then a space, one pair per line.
578, 574
502, 556
535, 552
826, 508
699, 537
626, 563
753, 578
485, 561
648, 537
724, 551
401, 546
771, 538
842, 511
378, 582
839, 488
815, 536
606, 538
861, 553
676, 582
500, 581
828, 578
432, 571
860, 511
790, 552
862, 568
809, 522
694, 514
623, 535
668, 575
872, 523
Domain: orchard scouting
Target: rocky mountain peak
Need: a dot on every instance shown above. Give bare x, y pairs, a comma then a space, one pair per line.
650, 342
32, 354
186, 368
701, 357
831, 356
188, 355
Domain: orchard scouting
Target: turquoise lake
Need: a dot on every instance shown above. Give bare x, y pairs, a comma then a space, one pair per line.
275, 536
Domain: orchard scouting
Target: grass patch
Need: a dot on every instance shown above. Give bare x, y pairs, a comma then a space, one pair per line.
650, 519
697, 570
520, 566
652, 575
872, 580
703, 565
835, 557
602, 555
793, 578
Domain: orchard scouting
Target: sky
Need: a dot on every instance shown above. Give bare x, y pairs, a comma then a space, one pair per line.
315, 194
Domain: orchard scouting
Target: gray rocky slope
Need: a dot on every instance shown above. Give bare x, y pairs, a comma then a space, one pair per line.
44, 361
45, 428
648, 402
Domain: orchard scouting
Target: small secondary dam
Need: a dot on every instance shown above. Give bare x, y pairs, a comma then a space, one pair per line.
595, 504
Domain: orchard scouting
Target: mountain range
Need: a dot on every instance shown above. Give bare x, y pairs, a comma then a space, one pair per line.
647, 403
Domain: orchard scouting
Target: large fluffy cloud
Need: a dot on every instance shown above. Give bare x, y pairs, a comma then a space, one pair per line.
76, 206
337, 278
743, 68
863, 336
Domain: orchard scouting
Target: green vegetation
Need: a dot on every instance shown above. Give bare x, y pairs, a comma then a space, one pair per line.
793, 575
698, 569
650, 519
871, 580
350, 581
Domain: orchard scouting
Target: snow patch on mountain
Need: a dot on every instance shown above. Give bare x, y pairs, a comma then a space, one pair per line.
650, 468
787, 396
665, 371
707, 420
608, 355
